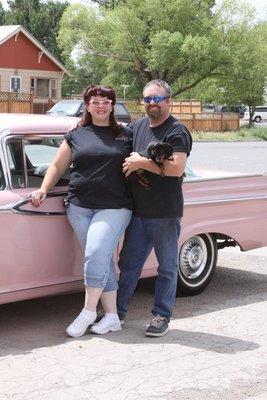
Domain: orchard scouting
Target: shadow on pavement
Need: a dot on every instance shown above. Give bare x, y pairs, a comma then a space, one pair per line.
134, 333
39, 323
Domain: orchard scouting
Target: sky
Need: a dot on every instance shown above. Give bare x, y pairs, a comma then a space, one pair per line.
260, 5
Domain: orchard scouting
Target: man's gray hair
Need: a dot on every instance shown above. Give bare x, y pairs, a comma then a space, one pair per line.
160, 83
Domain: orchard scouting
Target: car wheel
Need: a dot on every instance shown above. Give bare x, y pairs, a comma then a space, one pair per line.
257, 119
197, 262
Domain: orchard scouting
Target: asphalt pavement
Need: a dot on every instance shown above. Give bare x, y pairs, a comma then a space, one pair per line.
228, 158
215, 350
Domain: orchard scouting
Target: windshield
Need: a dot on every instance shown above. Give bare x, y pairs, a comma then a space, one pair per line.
65, 108
120, 109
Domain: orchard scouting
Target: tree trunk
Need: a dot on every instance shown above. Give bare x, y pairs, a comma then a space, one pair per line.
251, 112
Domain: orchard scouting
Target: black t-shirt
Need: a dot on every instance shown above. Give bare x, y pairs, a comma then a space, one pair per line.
96, 178
164, 198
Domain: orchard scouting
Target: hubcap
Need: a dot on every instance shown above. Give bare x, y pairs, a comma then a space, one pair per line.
193, 257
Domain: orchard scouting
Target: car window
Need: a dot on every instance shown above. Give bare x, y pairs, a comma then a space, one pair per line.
2, 179
16, 164
36, 155
39, 154
120, 109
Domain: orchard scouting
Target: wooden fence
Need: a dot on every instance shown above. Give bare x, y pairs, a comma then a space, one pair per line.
186, 106
187, 111
16, 102
208, 122
42, 108
178, 106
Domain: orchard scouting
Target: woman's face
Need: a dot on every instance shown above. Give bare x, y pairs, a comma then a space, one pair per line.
100, 108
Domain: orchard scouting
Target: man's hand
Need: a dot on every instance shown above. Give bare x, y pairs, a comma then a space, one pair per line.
132, 163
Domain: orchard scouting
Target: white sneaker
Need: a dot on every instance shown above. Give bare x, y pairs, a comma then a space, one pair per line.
78, 327
110, 322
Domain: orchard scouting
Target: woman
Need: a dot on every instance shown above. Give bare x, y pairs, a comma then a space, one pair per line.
99, 205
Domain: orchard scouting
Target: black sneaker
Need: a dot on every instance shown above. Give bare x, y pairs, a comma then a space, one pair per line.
100, 316
159, 326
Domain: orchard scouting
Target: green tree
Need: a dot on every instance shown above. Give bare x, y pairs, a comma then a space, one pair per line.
2, 15
85, 68
185, 42
176, 40
41, 19
244, 81
247, 81
109, 4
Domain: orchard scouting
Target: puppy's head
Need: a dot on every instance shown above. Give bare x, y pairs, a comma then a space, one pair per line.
159, 151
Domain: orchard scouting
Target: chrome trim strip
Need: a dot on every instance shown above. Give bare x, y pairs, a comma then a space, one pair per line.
43, 286
231, 200
7, 208
219, 178
15, 207
24, 163
4, 158
6, 138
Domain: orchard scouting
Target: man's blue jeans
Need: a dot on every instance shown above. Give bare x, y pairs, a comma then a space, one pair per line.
141, 236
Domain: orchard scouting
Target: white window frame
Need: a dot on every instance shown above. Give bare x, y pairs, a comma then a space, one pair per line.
34, 91
20, 83
53, 81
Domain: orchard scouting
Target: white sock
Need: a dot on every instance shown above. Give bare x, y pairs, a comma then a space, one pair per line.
88, 313
112, 316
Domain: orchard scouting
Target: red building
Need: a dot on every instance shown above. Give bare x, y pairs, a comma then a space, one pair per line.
26, 66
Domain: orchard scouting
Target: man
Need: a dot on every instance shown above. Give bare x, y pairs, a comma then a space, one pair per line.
158, 209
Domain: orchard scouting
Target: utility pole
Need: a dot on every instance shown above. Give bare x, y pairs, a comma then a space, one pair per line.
125, 87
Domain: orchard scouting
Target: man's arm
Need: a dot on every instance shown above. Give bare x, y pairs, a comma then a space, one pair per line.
173, 167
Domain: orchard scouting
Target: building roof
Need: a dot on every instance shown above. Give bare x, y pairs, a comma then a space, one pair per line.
7, 31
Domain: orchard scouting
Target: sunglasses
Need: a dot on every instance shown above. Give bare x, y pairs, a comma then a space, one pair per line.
97, 103
156, 99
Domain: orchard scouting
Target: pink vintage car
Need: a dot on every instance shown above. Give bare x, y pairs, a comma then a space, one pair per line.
40, 255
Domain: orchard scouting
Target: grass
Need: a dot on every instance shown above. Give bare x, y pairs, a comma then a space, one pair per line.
244, 134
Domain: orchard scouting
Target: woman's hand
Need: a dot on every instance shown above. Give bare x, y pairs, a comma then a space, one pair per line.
132, 163
37, 197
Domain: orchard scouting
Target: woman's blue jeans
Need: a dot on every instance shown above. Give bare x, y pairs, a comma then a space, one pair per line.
140, 237
98, 232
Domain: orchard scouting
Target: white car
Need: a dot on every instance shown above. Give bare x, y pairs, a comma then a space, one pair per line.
74, 108
260, 114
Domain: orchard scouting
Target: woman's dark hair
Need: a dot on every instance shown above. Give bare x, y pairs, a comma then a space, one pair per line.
103, 91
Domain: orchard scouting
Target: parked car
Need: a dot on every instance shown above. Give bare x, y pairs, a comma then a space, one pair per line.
40, 254
208, 108
74, 108
260, 114
239, 109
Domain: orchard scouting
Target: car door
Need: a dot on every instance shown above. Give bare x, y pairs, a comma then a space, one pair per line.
39, 251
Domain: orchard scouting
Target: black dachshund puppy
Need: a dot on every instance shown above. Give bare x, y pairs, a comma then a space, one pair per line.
157, 152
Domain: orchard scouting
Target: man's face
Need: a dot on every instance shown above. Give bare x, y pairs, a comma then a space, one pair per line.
154, 110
